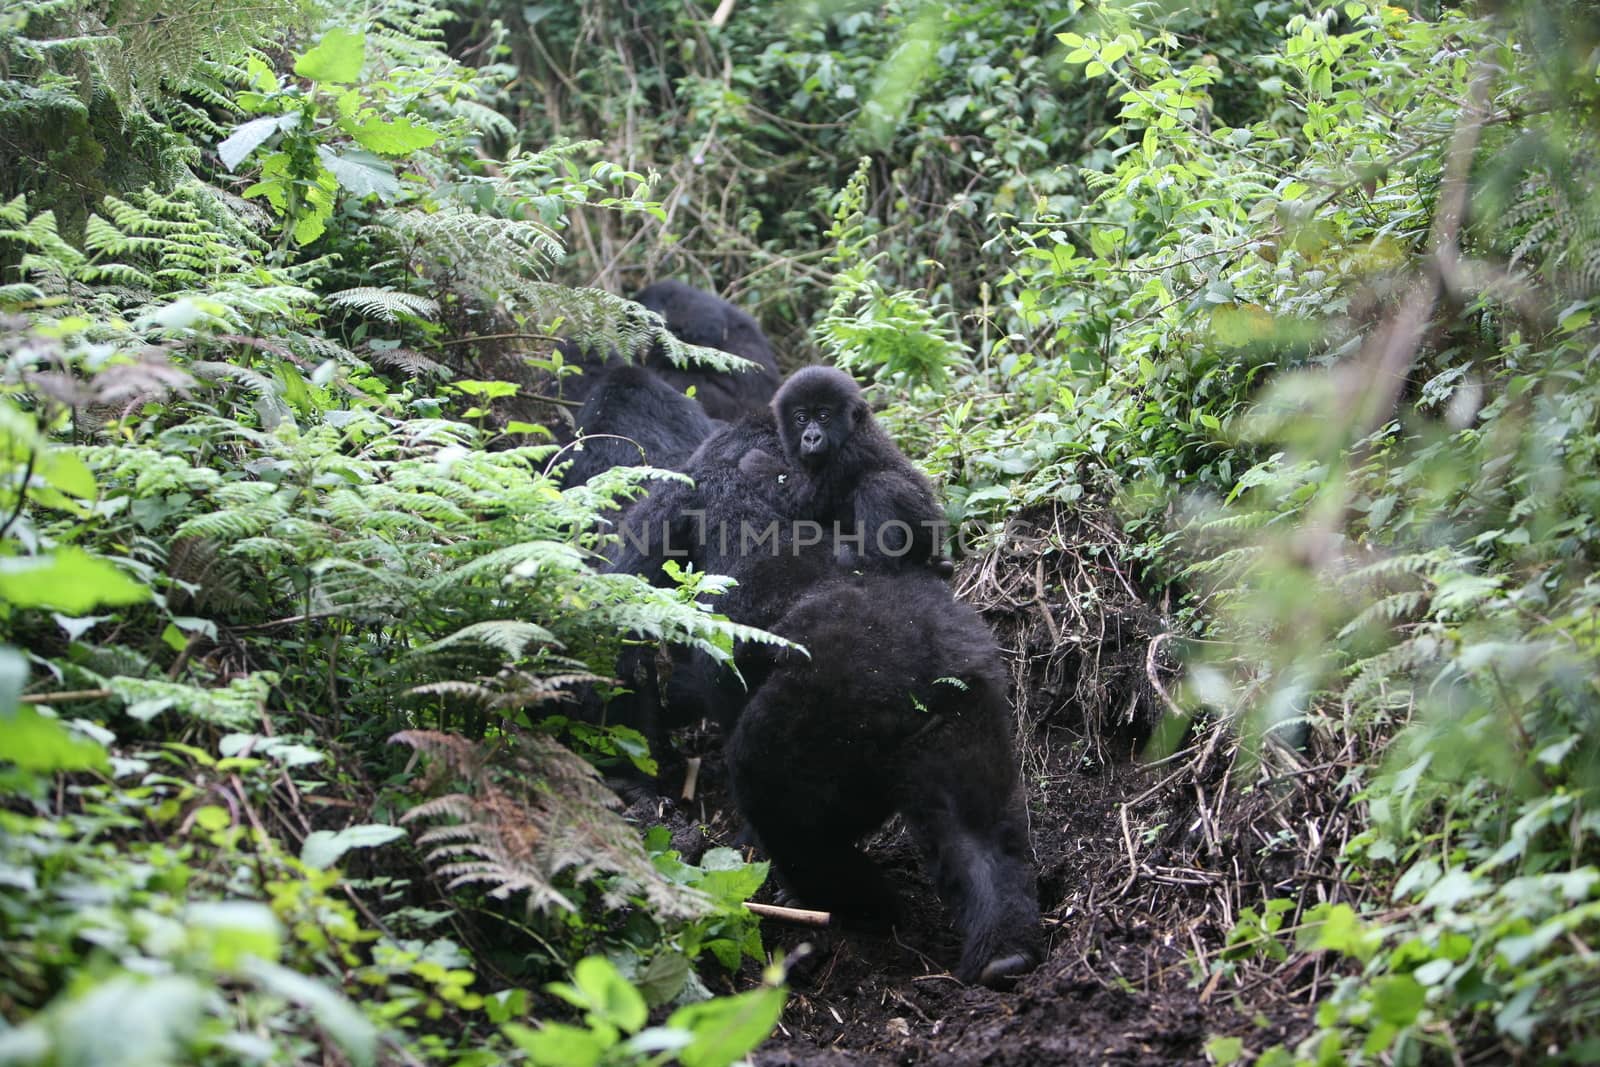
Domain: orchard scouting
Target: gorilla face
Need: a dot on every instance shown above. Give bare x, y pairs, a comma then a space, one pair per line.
818, 408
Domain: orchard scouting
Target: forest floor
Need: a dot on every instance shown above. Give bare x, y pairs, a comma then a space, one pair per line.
1119, 985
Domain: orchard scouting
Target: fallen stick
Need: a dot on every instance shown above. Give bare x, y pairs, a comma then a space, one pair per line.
802, 916
691, 776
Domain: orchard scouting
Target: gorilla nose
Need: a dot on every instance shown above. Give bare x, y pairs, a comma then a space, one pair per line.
811, 440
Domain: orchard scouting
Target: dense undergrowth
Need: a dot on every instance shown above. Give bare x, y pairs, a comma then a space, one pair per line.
1303, 296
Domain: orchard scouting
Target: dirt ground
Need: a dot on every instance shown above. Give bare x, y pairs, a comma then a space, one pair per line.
1119, 985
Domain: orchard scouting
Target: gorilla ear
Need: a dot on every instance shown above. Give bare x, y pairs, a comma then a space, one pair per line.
858, 413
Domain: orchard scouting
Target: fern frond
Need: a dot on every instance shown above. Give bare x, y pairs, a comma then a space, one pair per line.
472, 692
509, 637
237, 705
1387, 611
532, 817
406, 360
385, 304
526, 560
481, 247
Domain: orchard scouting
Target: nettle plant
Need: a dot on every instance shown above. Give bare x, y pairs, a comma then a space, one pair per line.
333, 132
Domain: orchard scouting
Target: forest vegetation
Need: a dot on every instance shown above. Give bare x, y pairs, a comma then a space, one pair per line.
1251, 346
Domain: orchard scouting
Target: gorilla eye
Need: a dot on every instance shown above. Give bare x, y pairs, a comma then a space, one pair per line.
822, 414
800, 418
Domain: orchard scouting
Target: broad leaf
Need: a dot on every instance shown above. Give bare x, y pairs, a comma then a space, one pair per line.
71, 581
727, 1028
361, 173
323, 848
249, 136
391, 138
337, 58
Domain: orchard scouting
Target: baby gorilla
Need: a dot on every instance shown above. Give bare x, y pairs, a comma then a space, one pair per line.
846, 474
900, 707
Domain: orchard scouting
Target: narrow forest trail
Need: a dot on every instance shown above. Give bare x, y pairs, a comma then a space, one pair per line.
1143, 868
1115, 987
1119, 983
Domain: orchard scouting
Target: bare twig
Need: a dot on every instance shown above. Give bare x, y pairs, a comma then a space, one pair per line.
65, 697
801, 916
691, 776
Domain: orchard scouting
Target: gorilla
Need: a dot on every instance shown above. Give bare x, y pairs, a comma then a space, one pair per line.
899, 708
632, 418
848, 475
700, 318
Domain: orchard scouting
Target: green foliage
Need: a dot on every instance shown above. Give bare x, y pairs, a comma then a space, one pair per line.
711, 1033
1309, 294
239, 558
867, 329
1388, 528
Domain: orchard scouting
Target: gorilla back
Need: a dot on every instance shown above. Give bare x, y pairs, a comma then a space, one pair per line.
900, 707
638, 419
702, 318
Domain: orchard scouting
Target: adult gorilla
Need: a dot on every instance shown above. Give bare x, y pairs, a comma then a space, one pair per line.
701, 318
631, 417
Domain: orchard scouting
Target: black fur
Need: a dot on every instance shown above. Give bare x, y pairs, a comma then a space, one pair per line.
636, 418
846, 472
900, 707
702, 318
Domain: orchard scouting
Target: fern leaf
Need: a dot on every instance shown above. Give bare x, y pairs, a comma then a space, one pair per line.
385, 304
534, 816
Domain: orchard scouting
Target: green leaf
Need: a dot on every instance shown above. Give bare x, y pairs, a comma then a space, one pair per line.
361, 173
1454, 888
1398, 999
558, 1045
1337, 928
235, 930
1577, 320
391, 138
343, 1021
71, 581
323, 848
610, 997
728, 1027
65, 472
1224, 1050
261, 75
663, 978
129, 1022
36, 742
489, 390
337, 58
249, 136
729, 880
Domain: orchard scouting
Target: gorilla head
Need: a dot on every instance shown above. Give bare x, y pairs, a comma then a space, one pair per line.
849, 476
818, 409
